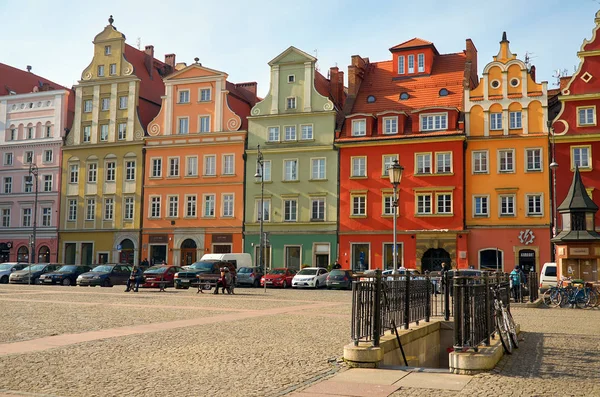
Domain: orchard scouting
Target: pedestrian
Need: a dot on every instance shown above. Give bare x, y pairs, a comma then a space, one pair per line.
337, 265
515, 280
228, 282
145, 263
221, 282
135, 276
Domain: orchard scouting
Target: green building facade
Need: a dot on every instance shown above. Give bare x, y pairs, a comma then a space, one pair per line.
295, 128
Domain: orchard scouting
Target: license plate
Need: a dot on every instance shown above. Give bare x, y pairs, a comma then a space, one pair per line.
335, 283
184, 280
47, 280
269, 282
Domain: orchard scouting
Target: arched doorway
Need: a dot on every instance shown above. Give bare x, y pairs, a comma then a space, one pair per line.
127, 251
23, 254
188, 252
44, 254
433, 258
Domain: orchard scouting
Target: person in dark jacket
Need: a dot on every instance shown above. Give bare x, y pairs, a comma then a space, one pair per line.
337, 265
136, 276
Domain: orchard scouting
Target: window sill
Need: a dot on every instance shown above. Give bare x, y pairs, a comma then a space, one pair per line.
227, 217
294, 181
290, 220
228, 175
529, 171
193, 217
508, 215
259, 182
317, 220
507, 172
481, 216
496, 129
155, 177
480, 172
444, 173
358, 216
428, 174
582, 169
535, 215
434, 215
307, 140
190, 176
318, 180
353, 135
206, 101
129, 180
209, 176
387, 215
206, 217
183, 103
272, 142
358, 177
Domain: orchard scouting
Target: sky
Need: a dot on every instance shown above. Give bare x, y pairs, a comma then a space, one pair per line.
240, 37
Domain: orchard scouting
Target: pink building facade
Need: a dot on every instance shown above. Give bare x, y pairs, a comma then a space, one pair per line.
32, 127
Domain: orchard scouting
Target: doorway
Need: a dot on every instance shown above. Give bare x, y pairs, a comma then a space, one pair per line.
5, 252
158, 254
70, 253
127, 251
433, 258
188, 252
527, 261
87, 253
102, 258
292, 257
360, 257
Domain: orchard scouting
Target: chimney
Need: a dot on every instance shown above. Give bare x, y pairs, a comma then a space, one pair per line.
170, 60
149, 59
251, 86
471, 55
532, 72
356, 72
29, 68
336, 84
564, 80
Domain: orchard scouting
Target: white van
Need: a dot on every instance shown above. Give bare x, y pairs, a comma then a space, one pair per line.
548, 276
238, 260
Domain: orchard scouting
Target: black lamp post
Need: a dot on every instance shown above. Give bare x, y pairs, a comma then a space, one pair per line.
395, 174
553, 166
33, 174
260, 173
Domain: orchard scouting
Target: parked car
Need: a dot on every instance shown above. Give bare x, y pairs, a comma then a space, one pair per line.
206, 272
22, 276
160, 273
106, 275
7, 268
66, 275
249, 276
278, 277
312, 277
548, 277
339, 279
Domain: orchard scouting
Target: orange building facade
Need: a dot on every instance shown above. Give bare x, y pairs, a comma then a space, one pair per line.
194, 179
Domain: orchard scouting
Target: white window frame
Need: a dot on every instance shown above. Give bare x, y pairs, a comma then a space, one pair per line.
28, 157
496, 121
112, 69
122, 131
291, 78
293, 133
474, 159
46, 216
421, 62
385, 164
209, 165
228, 167
172, 206
26, 215
72, 210
515, 120
48, 182
130, 170
358, 166
107, 50
539, 157
266, 169
272, 132
485, 197
9, 158
392, 123
359, 127
428, 121
6, 214
109, 209
104, 132
7, 183
581, 150
191, 206
306, 132
206, 199
387, 204
290, 218
27, 184
100, 70
154, 207
501, 198
318, 168
105, 104
292, 176
174, 167
411, 63
48, 156
441, 195
92, 172
358, 209
156, 167
421, 204
123, 102
128, 208
183, 125
88, 105
183, 96
204, 123
90, 209
448, 157
533, 196
87, 133
421, 169
290, 102
111, 171
201, 96
501, 160
73, 173
401, 64
321, 203
267, 206
226, 200
191, 166
586, 111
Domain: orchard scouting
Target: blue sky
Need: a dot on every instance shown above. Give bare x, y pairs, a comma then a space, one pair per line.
239, 37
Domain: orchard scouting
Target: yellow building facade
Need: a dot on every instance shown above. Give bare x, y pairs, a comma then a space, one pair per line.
507, 204
102, 163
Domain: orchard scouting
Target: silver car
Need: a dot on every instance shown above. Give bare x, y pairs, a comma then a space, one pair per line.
249, 276
7, 268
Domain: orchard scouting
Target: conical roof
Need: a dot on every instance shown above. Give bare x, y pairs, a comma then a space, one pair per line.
577, 198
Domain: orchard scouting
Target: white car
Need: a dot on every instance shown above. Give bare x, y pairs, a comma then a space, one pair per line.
310, 277
7, 268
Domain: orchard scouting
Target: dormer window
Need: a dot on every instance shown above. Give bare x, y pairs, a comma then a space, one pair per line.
359, 127
404, 96
291, 78
107, 50
444, 92
390, 125
411, 64
401, 64
421, 63
370, 99
434, 122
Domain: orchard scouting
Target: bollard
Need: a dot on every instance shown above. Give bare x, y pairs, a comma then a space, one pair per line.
407, 301
377, 309
428, 302
488, 309
447, 287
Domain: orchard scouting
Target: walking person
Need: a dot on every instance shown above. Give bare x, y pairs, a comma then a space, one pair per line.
515, 280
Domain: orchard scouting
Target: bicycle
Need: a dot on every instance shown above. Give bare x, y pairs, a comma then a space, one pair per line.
505, 324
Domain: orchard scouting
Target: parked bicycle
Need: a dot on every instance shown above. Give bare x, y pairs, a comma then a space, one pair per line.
574, 293
505, 324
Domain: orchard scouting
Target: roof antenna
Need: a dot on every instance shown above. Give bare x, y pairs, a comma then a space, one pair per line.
138, 42
316, 51
29, 68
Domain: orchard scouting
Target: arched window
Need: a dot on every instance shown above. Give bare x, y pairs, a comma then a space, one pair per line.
491, 259
43, 254
23, 254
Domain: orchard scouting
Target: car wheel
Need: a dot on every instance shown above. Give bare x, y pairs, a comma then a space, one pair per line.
256, 284
106, 283
4, 280
284, 284
35, 281
316, 285
66, 281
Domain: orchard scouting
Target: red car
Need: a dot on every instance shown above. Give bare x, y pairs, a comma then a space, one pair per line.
280, 277
160, 273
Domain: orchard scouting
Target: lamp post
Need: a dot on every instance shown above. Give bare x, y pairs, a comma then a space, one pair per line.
33, 173
395, 174
553, 166
260, 173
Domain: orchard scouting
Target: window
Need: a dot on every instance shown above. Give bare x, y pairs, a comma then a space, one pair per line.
421, 63
205, 94
92, 172
209, 205
129, 207
122, 131
290, 170
507, 205
28, 157
359, 205
30, 133
87, 106
228, 167
156, 167
192, 166
580, 156
90, 209
48, 131
434, 122
6, 217
210, 165
390, 125
388, 205
317, 212
444, 92
291, 103
515, 120
8, 185
480, 162
47, 156
8, 159
183, 127
443, 163
534, 159
507, 160
174, 166
411, 64
107, 50
122, 102
307, 131
100, 70
27, 184
266, 170
26, 217
104, 132
111, 168
130, 170
371, 99
105, 104
359, 167
495, 121
534, 204
108, 209
401, 64
587, 116
204, 124
228, 205
290, 210
184, 96
46, 216
155, 207
47, 183
87, 133
113, 69
495, 84
191, 203
444, 203
173, 206
290, 133
423, 163
13, 135
74, 173
317, 168
291, 78
273, 134
359, 127
266, 211
387, 162
480, 206
72, 214
424, 204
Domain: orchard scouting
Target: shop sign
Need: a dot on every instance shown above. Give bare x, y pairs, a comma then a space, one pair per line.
158, 238
579, 251
222, 238
526, 236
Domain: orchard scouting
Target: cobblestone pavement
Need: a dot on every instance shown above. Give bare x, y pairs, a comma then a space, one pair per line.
250, 344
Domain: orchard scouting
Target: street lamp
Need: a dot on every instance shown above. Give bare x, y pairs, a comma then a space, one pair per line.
33, 174
395, 174
260, 173
553, 166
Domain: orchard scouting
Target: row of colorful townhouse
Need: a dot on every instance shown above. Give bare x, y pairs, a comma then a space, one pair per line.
160, 159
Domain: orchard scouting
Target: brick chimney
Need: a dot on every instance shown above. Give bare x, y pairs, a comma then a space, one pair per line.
149, 59
336, 86
532, 72
471, 55
170, 60
356, 74
564, 80
250, 86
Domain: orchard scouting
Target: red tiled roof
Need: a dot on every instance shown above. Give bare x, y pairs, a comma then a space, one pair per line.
415, 42
553, 92
241, 101
436, 134
322, 84
22, 82
448, 72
